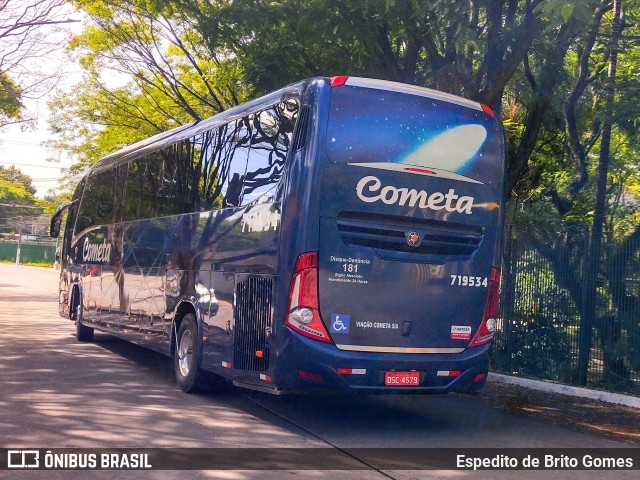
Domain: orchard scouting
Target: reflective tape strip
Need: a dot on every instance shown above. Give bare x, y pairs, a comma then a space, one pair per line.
371, 348
352, 371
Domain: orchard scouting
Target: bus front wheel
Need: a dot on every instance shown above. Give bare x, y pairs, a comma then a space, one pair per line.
83, 334
186, 358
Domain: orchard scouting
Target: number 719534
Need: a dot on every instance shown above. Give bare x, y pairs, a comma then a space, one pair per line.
468, 281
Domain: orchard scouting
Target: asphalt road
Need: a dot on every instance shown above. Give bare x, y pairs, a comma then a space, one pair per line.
58, 393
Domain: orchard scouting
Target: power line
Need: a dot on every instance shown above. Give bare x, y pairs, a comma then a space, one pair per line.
22, 144
26, 220
32, 165
17, 206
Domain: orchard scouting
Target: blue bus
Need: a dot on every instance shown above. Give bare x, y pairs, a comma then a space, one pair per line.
339, 235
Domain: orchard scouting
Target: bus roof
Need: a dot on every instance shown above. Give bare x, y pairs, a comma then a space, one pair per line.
177, 134
182, 132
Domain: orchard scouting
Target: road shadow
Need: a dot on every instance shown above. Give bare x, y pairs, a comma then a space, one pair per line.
371, 420
58, 392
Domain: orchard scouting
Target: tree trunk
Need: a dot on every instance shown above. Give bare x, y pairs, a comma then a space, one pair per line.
593, 262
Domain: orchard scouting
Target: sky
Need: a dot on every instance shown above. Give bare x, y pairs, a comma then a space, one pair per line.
25, 150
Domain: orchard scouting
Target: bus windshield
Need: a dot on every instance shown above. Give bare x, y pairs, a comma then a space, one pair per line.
374, 126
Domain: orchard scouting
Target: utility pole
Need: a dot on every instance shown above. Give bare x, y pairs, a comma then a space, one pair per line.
19, 241
57, 258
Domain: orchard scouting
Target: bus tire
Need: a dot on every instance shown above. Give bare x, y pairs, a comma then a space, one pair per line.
83, 334
74, 304
186, 357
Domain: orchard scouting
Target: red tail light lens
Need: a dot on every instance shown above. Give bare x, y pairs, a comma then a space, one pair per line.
339, 80
303, 311
487, 110
314, 377
488, 326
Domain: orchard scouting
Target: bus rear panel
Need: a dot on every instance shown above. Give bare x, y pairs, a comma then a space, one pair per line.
407, 265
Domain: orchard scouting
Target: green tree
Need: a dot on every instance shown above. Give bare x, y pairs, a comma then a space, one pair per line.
14, 175
166, 78
23, 39
16, 199
588, 189
221, 51
479, 49
10, 96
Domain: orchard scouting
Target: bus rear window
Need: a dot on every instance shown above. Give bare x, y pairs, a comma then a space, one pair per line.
368, 125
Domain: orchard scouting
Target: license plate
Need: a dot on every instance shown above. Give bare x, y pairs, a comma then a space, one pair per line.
401, 379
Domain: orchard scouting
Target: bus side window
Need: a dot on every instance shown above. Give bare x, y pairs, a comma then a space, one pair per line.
270, 143
207, 148
226, 154
142, 185
102, 202
86, 214
213, 160
156, 185
72, 215
175, 192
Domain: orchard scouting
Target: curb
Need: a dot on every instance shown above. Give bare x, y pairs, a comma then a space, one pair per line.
608, 397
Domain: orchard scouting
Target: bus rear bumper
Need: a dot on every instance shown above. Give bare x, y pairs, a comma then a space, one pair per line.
308, 366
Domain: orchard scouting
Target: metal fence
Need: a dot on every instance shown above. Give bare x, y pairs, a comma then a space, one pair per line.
545, 298
32, 252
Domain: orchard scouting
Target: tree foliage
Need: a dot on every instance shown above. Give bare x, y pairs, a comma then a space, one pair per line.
14, 175
23, 42
189, 58
144, 72
16, 198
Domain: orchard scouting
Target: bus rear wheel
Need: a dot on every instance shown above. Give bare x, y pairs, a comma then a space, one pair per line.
186, 358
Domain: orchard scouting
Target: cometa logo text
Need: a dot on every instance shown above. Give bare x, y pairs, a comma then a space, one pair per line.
96, 252
370, 189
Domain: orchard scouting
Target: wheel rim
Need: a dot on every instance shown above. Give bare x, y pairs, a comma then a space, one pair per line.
185, 353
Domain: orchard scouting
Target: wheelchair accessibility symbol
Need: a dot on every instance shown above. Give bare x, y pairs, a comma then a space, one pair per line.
340, 323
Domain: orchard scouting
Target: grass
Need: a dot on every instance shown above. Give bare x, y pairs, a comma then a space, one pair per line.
29, 264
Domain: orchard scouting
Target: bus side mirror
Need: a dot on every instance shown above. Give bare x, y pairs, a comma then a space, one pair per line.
56, 219
54, 228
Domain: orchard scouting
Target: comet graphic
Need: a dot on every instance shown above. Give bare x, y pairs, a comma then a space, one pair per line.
449, 150
441, 156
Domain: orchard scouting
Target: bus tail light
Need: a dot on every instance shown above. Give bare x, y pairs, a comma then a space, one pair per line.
488, 326
304, 311
339, 80
487, 110
314, 377
480, 377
